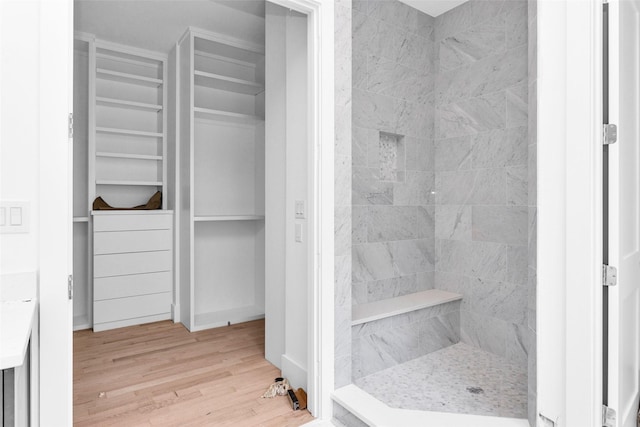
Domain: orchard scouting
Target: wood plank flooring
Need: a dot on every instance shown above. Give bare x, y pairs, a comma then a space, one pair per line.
160, 374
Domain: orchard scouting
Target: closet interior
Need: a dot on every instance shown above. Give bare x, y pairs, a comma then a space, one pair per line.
171, 99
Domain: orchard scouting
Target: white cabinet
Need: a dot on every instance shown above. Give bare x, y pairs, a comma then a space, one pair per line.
132, 267
221, 174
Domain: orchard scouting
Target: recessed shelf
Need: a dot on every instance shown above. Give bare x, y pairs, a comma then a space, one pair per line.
224, 317
110, 102
130, 183
363, 313
127, 77
225, 83
210, 218
224, 116
80, 219
128, 156
128, 132
240, 51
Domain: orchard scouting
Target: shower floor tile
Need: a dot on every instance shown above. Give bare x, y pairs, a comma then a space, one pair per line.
459, 378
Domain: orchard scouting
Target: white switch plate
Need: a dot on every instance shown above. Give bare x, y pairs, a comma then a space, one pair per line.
300, 209
14, 217
298, 232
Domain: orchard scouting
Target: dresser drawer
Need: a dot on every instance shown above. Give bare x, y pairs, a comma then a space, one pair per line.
131, 285
130, 222
133, 307
131, 263
113, 242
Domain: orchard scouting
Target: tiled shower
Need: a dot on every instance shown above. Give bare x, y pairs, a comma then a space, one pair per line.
443, 197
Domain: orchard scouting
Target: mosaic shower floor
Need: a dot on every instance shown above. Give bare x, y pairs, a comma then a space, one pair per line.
459, 378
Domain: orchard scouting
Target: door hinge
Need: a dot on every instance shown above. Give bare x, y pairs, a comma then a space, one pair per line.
609, 134
70, 125
609, 275
70, 286
608, 417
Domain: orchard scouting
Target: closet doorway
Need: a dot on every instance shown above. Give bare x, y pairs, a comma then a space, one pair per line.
208, 103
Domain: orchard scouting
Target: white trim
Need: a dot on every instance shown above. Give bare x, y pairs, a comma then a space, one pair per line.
569, 212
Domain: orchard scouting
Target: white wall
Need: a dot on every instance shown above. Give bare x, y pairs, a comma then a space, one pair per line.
19, 134
286, 275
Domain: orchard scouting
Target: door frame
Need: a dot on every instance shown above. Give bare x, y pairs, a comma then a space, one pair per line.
569, 249
56, 369
321, 131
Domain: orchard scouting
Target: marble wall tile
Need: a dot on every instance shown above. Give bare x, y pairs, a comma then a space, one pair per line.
343, 144
361, 6
342, 371
389, 78
372, 261
398, 286
368, 189
342, 180
359, 224
346, 418
375, 37
480, 41
500, 300
499, 148
487, 333
488, 75
387, 223
370, 328
500, 224
425, 26
359, 69
440, 332
516, 25
517, 269
465, 16
532, 299
470, 116
394, 13
517, 105
392, 157
420, 154
517, 186
343, 230
532, 172
477, 259
417, 190
358, 293
489, 187
454, 188
452, 282
533, 237
532, 378
412, 256
362, 140
342, 324
419, 317
533, 50
453, 222
426, 222
453, 154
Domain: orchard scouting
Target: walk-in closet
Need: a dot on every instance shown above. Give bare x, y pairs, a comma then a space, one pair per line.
191, 169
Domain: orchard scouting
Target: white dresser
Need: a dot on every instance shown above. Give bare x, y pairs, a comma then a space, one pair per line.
132, 267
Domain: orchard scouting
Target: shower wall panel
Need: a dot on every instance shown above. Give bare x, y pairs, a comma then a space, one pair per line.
481, 174
393, 198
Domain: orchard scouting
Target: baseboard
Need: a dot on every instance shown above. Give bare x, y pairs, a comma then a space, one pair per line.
296, 374
175, 313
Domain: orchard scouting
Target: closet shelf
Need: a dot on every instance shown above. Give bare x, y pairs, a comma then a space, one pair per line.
229, 84
130, 183
128, 156
118, 76
224, 317
211, 218
224, 116
110, 102
80, 219
129, 132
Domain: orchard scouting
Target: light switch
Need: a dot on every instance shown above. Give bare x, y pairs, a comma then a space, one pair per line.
16, 216
300, 209
298, 232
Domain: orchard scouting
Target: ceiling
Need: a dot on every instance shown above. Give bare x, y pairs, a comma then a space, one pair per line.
157, 24
433, 7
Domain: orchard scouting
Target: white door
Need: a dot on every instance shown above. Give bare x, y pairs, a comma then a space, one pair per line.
624, 210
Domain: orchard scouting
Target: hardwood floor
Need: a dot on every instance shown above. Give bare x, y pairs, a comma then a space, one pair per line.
160, 374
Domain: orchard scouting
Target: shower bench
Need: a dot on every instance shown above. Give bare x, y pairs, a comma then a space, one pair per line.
369, 312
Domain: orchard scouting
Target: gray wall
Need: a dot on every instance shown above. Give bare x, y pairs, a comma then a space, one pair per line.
481, 171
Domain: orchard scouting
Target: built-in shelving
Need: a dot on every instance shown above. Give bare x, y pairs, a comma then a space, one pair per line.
225, 116
222, 147
217, 81
127, 104
128, 156
127, 77
130, 183
228, 218
129, 132
80, 219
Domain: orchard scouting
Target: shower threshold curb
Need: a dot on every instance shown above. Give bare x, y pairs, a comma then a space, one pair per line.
377, 414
